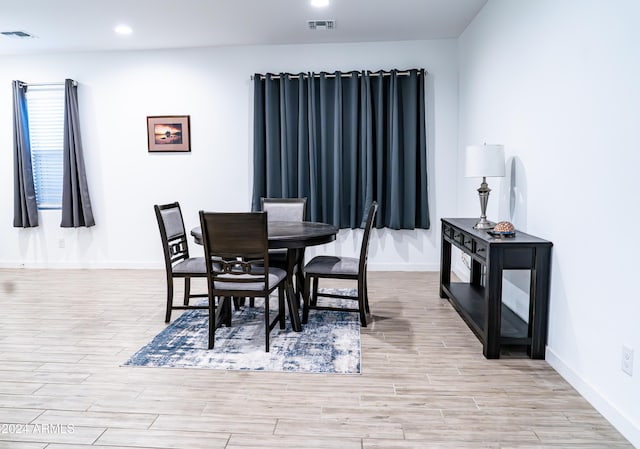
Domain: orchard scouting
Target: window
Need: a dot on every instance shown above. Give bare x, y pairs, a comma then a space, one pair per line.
45, 105
343, 140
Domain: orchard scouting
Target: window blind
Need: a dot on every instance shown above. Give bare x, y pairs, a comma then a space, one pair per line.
45, 106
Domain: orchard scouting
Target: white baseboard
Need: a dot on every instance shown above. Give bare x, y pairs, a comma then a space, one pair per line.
157, 266
84, 265
381, 266
610, 412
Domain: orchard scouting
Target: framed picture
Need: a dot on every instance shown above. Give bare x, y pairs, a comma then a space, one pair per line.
167, 133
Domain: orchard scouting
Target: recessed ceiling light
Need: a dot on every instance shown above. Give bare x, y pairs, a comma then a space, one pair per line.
319, 3
123, 29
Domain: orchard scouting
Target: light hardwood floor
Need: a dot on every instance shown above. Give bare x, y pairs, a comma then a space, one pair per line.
424, 382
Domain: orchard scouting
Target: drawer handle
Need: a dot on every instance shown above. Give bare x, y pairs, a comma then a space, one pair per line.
480, 250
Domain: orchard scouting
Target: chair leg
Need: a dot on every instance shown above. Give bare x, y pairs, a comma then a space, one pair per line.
366, 294
305, 299
167, 317
212, 320
266, 323
227, 311
361, 302
300, 272
187, 290
314, 299
298, 283
281, 305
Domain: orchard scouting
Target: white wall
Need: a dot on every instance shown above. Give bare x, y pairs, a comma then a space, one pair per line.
557, 82
118, 90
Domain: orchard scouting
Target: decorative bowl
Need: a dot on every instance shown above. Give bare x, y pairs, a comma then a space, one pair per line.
503, 228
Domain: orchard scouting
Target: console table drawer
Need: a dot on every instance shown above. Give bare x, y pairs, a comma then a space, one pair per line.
480, 250
467, 242
447, 231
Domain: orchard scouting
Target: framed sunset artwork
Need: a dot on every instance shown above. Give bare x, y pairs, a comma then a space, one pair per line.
168, 133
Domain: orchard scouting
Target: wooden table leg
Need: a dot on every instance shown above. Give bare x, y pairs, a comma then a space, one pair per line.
299, 274
493, 304
445, 266
292, 298
539, 299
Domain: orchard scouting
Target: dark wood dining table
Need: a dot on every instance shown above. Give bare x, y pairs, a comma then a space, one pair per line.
294, 236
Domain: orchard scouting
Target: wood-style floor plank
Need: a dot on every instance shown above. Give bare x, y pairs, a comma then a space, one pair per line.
16, 445
64, 335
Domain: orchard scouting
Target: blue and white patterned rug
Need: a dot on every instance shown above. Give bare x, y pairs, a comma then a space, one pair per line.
328, 343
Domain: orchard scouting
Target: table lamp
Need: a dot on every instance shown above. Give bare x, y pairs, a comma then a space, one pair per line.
483, 161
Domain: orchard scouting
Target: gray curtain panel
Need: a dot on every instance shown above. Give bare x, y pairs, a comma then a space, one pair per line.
25, 208
76, 204
343, 140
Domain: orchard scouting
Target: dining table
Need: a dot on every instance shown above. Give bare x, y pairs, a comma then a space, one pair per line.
294, 236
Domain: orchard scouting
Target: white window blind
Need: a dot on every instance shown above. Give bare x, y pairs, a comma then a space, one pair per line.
45, 105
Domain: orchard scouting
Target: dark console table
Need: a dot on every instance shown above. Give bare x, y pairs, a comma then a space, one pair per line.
479, 302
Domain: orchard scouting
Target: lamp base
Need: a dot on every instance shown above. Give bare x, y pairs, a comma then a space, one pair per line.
484, 224
483, 192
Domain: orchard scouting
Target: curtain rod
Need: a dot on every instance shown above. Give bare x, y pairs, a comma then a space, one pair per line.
344, 75
59, 83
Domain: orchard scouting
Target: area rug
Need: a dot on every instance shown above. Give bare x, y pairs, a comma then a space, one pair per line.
328, 343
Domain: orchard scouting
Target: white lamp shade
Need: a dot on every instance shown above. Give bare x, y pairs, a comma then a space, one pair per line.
484, 160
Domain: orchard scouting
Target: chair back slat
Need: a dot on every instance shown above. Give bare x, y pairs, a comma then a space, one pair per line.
231, 234
239, 270
172, 233
173, 223
284, 209
178, 248
233, 243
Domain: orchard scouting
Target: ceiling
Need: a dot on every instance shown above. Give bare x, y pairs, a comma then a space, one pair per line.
88, 25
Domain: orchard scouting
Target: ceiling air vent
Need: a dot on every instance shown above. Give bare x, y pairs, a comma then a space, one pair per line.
17, 34
321, 24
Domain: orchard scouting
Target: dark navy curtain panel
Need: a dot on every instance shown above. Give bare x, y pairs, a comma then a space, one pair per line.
76, 204
25, 208
343, 140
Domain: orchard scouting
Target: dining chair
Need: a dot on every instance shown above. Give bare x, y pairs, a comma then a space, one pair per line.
282, 209
335, 267
285, 209
233, 244
178, 263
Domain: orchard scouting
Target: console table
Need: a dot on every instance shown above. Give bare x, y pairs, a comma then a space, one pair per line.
479, 302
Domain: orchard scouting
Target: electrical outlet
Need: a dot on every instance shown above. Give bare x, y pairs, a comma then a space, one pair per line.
61, 243
627, 360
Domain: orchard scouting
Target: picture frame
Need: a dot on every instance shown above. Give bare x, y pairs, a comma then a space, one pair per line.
168, 133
